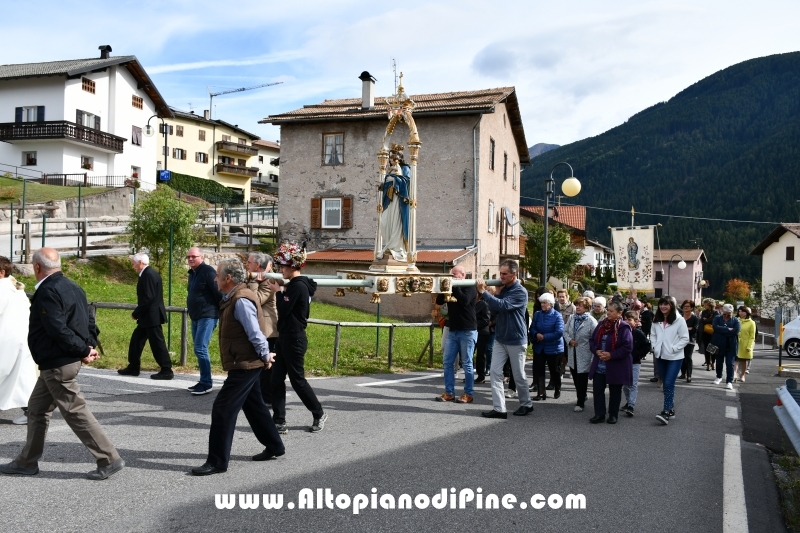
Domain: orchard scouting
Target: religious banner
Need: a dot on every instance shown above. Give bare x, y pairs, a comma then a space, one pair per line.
633, 250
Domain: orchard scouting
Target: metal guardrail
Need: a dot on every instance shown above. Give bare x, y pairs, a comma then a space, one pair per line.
788, 411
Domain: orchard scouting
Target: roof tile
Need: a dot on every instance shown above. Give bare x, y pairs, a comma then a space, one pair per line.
573, 216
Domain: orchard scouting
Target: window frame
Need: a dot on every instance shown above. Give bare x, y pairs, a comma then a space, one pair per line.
137, 101
201, 157
491, 216
136, 136
179, 131
333, 154
789, 281
179, 152
505, 166
226, 138
87, 160
514, 176
201, 135
491, 153
658, 275
26, 162
790, 253
324, 210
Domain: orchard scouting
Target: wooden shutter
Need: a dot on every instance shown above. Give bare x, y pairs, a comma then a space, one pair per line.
40, 113
96, 122
173, 153
171, 130
316, 213
347, 212
183, 154
79, 117
18, 114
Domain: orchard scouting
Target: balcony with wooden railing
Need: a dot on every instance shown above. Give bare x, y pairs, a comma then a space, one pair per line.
236, 148
236, 170
60, 129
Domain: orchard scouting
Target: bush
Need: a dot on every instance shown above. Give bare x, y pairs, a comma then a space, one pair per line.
208, 190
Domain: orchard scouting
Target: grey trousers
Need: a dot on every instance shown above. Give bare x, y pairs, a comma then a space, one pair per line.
516, 357
58, 387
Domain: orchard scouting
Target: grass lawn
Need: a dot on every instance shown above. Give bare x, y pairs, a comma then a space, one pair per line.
11, 191
111, 279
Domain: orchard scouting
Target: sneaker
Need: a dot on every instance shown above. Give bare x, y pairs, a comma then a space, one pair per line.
729, 386
193, 387
319, 423
717, 381
577, 409
444, 397
201, 389
624, 407
628, 410
747, 371
283, 429
20, 420
663, 417
464, 398
511, 394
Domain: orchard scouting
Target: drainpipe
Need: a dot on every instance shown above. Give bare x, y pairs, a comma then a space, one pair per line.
475, 188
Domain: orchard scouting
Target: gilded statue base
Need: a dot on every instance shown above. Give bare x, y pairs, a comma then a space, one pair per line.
390, 264
398, 283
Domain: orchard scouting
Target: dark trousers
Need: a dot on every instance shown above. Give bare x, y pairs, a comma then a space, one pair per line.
290, 359
542, 362
599, 393
581, 382
728, 359
686, 366
155, 335
480, 355
240, 392
266, 375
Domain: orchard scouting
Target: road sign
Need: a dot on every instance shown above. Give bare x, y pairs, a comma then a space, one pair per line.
164, 175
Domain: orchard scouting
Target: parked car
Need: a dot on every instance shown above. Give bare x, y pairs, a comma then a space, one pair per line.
791, 338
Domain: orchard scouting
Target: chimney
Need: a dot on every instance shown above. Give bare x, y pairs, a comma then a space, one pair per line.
105, 51
367, 90
206, 114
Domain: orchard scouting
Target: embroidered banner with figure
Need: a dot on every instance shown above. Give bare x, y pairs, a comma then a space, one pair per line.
633, 250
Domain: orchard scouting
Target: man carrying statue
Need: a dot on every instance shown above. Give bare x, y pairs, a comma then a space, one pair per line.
395, 206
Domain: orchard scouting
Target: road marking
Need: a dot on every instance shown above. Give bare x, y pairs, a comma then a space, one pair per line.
731, 412
731, 392
161, 383
734, 512
391, 381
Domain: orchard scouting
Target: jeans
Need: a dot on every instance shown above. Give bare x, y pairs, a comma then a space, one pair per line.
632, 390
516, 356
599, 393
202, 329
463, 342
669, 373
729, 359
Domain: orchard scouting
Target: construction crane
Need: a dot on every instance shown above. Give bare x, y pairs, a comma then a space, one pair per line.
212, 95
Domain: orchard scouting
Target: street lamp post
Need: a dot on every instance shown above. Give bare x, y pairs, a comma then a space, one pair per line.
681, 265
149, 131
570, 187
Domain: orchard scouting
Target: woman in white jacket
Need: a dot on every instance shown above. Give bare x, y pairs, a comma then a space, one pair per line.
668, 336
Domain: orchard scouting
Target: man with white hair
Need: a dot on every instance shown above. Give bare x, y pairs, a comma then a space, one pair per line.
258, 265
61, 335
149, 314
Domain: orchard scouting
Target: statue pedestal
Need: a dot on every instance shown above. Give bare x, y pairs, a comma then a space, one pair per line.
401, 282
389, 264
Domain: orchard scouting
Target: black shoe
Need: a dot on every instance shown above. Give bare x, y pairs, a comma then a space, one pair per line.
539, 397
266, 455
596, 419
283, 429
532, 388
653, 380
628, 410
104, 472
163, 374
128, 371
207, 470
13, 469
557, 395
523, 411
664, 416
688, 380
319, 423
494, 414
480, 380
199, 389
550, 387
611, 420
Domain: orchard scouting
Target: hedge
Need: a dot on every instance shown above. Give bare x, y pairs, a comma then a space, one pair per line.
208, 190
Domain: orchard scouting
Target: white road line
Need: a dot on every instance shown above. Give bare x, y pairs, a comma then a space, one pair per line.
161, 383
734, 512
731, 412
391, 381
731, 392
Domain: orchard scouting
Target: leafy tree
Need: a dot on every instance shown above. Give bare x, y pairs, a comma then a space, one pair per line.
780, 295
149, 226
737, 289
562, 258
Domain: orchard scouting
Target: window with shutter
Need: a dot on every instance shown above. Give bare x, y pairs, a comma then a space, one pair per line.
790, 253
331, 213
18, 114
40, 113
136, 136
79, 117
201, 135
491, 153
179, 131
347, 212
226, 137
316, 218
96, 122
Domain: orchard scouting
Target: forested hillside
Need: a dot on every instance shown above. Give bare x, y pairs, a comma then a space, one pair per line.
727, 147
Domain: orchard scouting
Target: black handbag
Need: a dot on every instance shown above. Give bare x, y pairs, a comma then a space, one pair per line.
712, 349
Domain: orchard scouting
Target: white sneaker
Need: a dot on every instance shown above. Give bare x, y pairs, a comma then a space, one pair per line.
717, 381
20, 420
747, 371
577, 409
511, 394
729, 386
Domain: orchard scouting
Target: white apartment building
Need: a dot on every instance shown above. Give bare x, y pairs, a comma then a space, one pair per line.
80, 117
268, 165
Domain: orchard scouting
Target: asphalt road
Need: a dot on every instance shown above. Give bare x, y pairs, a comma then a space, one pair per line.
386, 432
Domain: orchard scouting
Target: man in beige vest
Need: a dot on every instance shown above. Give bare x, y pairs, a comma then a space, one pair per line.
258, 265
244, 353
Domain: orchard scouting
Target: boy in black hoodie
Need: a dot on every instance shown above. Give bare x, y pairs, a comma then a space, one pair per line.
293, 301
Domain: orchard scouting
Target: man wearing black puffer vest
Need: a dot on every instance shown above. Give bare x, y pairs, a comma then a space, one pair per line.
293, 302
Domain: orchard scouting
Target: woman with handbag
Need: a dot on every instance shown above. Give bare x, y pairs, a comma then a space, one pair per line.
577, 333
707, 331
725, 343
668, 337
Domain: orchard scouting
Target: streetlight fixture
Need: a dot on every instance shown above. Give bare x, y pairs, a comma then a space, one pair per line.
570, 187
681, 265
150, 130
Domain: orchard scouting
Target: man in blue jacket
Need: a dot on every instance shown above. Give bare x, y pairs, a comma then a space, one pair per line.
511, 338
202, 302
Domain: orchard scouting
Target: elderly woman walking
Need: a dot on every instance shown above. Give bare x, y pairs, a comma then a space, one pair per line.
611, 344
577, 333
726, 341
547, 333
668, 337
747, 341
706, 331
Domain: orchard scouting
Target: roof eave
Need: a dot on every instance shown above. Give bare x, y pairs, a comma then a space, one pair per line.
374, 116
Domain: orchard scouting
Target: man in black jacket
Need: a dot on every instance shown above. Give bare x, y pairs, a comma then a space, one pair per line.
149, 314
461, 339
61, 334
294, 302
202, 301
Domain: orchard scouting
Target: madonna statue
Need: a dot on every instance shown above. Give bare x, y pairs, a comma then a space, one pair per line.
395, 200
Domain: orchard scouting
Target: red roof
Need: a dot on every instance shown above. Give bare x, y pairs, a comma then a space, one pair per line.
573, 216
335, 255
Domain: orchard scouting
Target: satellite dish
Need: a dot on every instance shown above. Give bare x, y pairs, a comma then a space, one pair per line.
509, 216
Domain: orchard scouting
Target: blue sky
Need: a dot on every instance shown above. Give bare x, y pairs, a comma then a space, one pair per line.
580, 67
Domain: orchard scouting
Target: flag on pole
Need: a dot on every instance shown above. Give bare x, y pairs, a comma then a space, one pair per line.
633, 249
